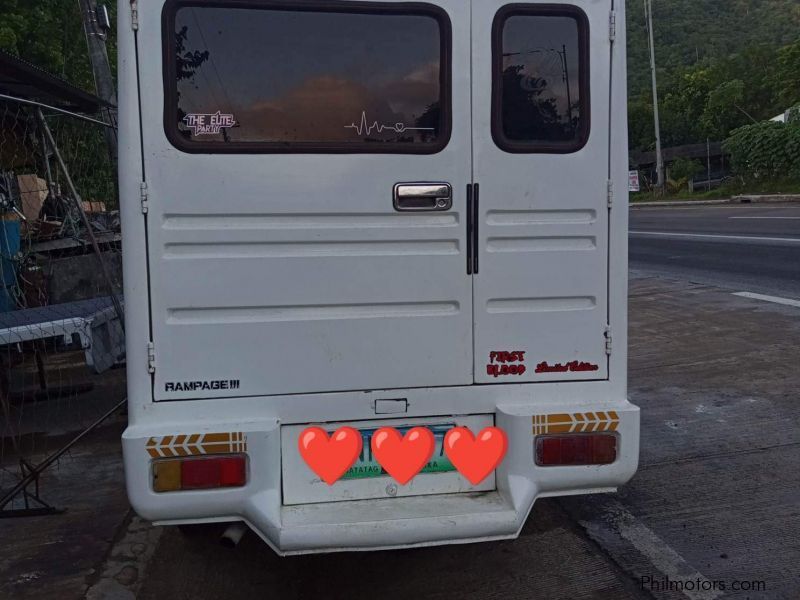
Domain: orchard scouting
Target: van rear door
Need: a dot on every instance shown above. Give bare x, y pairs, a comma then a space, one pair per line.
284, 256
541, 78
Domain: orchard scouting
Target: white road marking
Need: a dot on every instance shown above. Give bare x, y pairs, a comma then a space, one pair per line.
710, 236
773, 299
720, 206
660, 555
752, 218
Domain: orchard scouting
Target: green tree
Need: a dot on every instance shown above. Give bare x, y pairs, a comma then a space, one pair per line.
787, 74
49, 34
640, 124
723, 111
685, 168
766, 151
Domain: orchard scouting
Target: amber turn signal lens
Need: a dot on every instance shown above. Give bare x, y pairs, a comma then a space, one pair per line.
167, 475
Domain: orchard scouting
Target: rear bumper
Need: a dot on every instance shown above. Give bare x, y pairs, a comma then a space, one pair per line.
399, 522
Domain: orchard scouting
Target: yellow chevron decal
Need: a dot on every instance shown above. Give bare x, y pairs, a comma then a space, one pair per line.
575, 422
196, 444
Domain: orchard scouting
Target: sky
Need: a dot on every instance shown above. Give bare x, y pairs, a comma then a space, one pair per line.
311, 73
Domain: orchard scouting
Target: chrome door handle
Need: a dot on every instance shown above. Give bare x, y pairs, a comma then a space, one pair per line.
414, 197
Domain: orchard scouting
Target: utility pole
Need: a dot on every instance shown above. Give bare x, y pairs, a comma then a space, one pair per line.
648, 9
96, 33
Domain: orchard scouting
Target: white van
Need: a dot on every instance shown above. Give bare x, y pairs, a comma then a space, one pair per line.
372, 214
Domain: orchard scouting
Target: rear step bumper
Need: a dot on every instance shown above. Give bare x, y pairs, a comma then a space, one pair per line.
382, 523
399, 522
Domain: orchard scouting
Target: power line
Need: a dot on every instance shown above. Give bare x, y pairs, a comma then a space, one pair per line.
211, 60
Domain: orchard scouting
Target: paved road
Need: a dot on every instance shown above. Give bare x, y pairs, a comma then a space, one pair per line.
752, 248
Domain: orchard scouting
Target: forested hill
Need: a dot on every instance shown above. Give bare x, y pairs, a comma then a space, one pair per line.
688, 32
722, 64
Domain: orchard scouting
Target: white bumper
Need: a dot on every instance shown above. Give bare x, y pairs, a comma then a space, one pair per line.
385, 522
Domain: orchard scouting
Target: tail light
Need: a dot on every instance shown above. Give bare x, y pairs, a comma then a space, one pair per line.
200, 473
576, 450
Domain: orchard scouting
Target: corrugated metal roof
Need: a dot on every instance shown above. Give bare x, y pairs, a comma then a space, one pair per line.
23, 79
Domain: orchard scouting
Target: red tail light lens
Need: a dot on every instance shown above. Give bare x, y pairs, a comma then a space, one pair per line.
576, 450
200, 473
206, 473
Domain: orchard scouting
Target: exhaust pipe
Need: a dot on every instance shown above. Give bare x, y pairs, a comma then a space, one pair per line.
233, 534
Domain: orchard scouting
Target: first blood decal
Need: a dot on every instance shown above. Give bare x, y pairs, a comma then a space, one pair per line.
504, 364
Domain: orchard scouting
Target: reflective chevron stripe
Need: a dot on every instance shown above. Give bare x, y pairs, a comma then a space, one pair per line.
575, 423
196, 444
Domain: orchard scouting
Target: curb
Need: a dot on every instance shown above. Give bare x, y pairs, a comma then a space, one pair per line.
773, 199
123, 572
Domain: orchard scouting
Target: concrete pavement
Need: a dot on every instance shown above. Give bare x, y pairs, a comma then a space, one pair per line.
717, 492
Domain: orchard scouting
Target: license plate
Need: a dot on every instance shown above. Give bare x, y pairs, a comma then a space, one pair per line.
366, 467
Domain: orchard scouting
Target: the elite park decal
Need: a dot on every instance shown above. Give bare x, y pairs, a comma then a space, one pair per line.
208, 124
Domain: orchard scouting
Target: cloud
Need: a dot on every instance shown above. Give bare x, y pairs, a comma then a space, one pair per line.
320, 108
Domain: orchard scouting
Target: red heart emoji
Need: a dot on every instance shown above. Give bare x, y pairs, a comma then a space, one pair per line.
330, 457
403, 457
475, 458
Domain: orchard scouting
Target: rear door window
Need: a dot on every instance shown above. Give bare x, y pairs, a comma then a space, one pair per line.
255, 76
541, 79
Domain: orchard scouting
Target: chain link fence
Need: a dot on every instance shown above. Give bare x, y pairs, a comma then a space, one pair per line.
61, 328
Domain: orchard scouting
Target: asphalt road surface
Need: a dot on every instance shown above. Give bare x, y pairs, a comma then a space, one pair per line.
749, 248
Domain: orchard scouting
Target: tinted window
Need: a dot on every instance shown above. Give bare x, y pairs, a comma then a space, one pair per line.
280, 78
541, 70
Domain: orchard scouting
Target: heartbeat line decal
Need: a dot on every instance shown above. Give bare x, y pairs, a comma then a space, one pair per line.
364, 126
